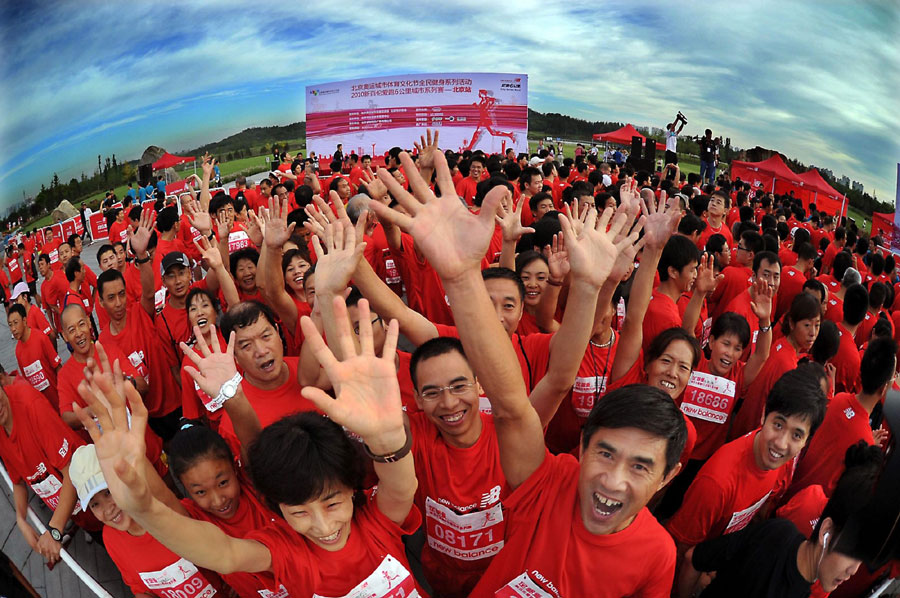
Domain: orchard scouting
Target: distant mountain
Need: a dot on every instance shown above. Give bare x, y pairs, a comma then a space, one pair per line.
253, 138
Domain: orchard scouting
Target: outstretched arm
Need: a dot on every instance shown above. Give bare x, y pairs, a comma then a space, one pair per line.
704, 284
277, 233
761, 304
454, 241
139, 240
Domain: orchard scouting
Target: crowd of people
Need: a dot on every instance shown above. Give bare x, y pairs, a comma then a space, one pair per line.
456, 374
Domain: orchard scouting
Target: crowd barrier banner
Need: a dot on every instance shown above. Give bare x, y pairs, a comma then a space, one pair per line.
79, 227
486, 111
68, 228
97, 224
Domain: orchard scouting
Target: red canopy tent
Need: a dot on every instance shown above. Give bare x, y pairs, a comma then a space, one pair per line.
883, 224
623, 137
168, 160
773, 173
824, 195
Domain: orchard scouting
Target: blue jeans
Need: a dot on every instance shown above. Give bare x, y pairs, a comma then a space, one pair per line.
708, 168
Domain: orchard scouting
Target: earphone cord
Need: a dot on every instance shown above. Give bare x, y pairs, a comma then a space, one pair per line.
527, 363
605, 365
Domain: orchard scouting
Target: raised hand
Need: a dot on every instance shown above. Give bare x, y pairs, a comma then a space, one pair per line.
376, 188
453, 239
274, 223
207, 166
223, 227
761, 300
593, 252
661, 221
629, 195
576, 218
213, 367
706, 277
510, 220
337, 254
426, 150
367, 399
625, 260
209, 253
255, 228
198, 217
121, 449
557, 258
140, 238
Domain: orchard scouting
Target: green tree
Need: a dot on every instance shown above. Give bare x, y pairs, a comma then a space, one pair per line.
264, 150
229, 157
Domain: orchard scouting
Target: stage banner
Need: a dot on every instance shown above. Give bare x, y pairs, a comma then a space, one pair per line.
486, 111
895, 238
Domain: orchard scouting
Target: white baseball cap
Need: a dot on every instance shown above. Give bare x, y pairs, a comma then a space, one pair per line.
86, 475
20, 288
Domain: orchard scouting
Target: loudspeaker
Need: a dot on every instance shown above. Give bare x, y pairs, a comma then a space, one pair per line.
636, 144
650, 156
145, 174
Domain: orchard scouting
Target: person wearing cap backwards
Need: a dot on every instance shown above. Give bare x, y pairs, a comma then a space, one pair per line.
36, 448
148, 567
35, 318
37, 358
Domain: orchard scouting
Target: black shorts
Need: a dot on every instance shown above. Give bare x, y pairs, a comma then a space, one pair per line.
671, 157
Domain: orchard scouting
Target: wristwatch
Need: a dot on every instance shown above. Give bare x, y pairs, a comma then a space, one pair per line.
54, 533
396, 455
229, 389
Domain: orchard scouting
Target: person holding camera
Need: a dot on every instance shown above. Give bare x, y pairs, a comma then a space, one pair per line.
672, 137
709, 152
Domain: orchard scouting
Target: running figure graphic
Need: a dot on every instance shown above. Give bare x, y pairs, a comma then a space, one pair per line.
485, 106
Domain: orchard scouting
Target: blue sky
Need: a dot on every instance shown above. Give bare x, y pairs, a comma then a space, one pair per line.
815, 80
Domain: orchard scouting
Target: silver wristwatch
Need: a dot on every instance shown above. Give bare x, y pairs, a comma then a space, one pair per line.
229, 389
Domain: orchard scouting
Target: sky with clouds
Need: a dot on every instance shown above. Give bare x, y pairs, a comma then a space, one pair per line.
815, 80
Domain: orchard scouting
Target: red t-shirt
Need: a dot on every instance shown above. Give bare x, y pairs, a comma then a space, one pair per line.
373, 563
139, 342
704, 322
527, 325
845, 423
72, 373
548, 552
37, 321
77, 297
782, 358
662, 314
172, 324
15, 272
52, 292
724, 230
40, 444
425, 292
163, 248
27, 262
804, 509
466, 189
792, 281
564, 431
52, 250
708, 400
193, 400
38, 360
727, 492
187, 234
118, 231
846, 362
735, 280
149, 567
834, 308
271, 405
464, 521
741, 306
250, 515
787, 257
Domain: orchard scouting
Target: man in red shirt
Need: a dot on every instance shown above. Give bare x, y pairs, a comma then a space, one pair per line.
835, 247
736, 277
677, 272
51, 248
168, 226
118, 230
766, 267
847, 359
53, 288
466, 187
36, 319
793, 278
739, 478
12, 264
37, 358
555, 500
847, 421
715, 219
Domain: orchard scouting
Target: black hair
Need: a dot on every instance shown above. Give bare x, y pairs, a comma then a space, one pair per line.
189, 298
803, 307
300, 457
841, 262
878, 364
244, 314
485, 186
104, 249
166, 219
877, 295
731, 323
526, 257
678, 253
752, 241
71, 241
662, 341
544, 229
73, 267
303, 196
799, 393
435, 347
219, 201
44, 257
106, 277
856, 303
827, 342
817, 286
716, 243
691, 224
17, 308
247, 253
642, 407
805, 251
290, 254
768, 256
194, 442
505, 274
876, 265
537, 198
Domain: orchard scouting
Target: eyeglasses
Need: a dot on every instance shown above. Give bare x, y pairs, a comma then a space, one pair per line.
739, 248
435, 392
356, 328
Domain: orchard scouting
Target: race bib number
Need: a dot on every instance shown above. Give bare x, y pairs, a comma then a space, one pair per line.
137, 361
181, 579
159, 299
523, 587
13, 267
195, 234
704, 336
280, 593
467, 537
238, 240
740, 519
54, 256
34, 373
755, 336
584, 391
392, 275
389, 580
484, 405
620, 313
48, 490
708, 397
